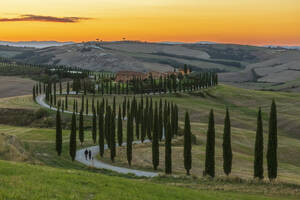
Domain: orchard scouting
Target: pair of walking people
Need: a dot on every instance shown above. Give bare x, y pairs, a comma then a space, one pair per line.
88, 154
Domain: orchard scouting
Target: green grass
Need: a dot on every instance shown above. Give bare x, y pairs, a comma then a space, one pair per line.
22, 181
39, 143
243, 105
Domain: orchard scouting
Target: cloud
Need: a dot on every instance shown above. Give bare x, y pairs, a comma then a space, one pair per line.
40, 18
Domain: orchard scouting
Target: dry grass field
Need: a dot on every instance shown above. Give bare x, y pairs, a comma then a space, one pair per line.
11, 86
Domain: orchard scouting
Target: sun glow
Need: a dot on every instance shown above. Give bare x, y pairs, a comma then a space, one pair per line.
229, 21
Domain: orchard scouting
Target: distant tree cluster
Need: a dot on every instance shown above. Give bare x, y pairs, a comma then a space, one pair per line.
168, 84
41, 72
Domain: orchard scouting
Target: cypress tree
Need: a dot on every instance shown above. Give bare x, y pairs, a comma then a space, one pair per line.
151, 116
128, 107
137, 122
129, 139
176, 119
155, 141
101, 130
54, 93
227, 152
114, 106
33, 93
143, 124
58, 133
76, 106
259, 149
82, 103
72, 147
120, 128
149, 121
272, 143
60, 88
87, 106
210, 147
81, 130
187, 144
112, 137
68, 88
168, 149
66, 102
124, 108
160, 121
63, 106
94, 130
107, 125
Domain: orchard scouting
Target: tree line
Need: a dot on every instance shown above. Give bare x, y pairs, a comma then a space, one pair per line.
41, 72
158, 122
146, 120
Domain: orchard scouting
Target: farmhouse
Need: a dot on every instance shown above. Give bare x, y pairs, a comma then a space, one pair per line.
123, 76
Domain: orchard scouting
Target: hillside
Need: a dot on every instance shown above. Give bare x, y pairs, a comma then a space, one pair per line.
35, 145
22, 181
245, 66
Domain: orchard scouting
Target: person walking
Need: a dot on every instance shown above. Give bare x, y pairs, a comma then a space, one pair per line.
90, 154
86, 153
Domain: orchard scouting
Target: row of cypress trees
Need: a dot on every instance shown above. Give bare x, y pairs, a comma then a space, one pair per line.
136, 86
160, 122
272, 162
148, 124
171, 83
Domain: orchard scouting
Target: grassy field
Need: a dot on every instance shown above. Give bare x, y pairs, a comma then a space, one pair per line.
243, 105
14, 86
22, 181
34, 145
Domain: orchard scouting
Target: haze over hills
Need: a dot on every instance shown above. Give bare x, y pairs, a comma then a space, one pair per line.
34, 44
246, 66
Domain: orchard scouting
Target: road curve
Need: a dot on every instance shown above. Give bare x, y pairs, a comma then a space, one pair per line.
80, 157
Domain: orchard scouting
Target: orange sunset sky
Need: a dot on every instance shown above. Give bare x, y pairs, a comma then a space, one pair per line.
258, 22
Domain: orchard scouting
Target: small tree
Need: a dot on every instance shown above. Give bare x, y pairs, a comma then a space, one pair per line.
227, 152
259, 149
187, 144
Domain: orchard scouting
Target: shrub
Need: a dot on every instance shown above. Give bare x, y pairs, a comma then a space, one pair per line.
41, 113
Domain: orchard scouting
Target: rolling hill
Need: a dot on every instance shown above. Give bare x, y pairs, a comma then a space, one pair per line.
246, 66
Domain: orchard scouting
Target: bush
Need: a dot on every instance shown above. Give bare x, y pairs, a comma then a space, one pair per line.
194, 139
41, 113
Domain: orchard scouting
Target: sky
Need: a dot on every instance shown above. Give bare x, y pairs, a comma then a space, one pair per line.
254, 22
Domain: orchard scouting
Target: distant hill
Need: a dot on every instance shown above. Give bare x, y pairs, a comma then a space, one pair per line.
283, 47
241, 65
35, 44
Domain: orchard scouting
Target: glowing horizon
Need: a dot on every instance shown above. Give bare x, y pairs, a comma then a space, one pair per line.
271, 22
